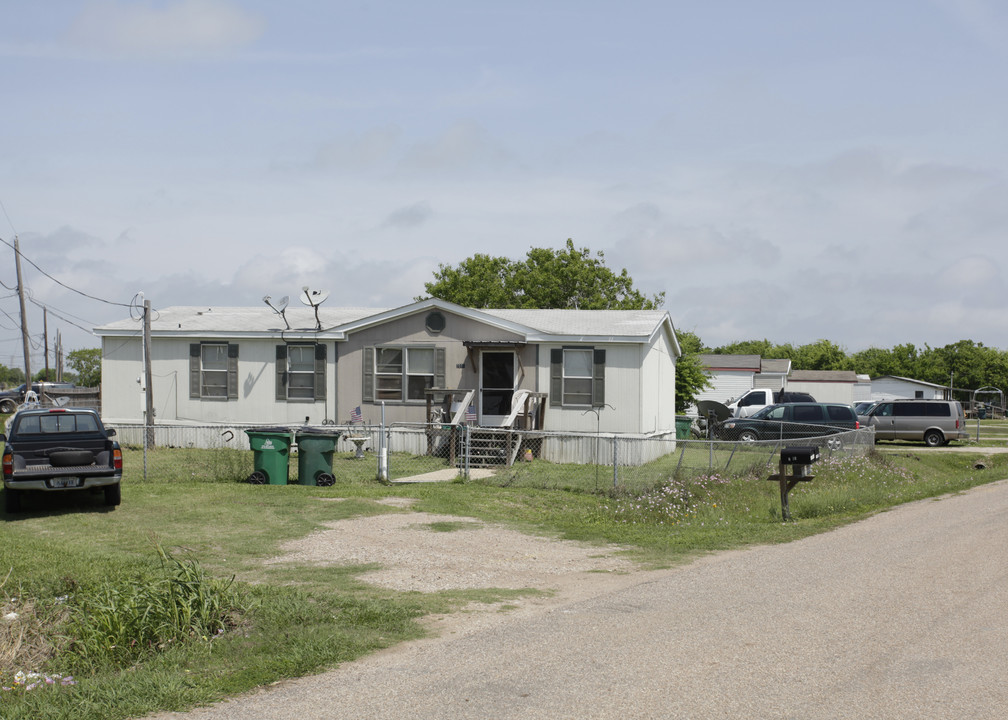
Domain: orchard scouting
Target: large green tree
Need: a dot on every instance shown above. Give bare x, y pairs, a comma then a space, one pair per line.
547, 278
690, 374
87, 364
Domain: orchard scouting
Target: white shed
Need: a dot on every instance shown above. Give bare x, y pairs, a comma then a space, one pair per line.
888, 387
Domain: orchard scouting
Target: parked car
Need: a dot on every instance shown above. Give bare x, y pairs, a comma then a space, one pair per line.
756, 399
789, 421
935, 422
59, 450
10, 399
862, 407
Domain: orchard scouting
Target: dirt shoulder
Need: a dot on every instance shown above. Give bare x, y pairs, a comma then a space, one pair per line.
425, 552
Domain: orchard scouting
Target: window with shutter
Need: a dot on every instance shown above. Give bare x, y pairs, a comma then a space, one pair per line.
301, 372
213, 371
577, 377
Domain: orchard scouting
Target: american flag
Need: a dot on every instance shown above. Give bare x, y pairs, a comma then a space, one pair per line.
355, 415
470, 414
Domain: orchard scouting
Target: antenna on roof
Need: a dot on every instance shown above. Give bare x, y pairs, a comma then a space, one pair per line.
279, 310
314, 298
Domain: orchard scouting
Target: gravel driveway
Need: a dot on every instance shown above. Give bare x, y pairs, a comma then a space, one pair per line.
902, 615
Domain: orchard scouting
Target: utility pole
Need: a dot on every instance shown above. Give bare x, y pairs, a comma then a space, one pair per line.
149, 413
24, 317
45, 340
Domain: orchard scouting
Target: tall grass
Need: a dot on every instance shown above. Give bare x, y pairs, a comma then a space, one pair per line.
123, 619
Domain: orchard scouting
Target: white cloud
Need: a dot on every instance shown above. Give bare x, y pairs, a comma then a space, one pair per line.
177, 28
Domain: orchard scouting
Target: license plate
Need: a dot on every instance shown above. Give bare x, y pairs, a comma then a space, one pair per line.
64, 482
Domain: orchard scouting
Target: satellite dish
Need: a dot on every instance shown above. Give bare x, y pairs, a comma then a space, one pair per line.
314, 298
709, 407
278, 310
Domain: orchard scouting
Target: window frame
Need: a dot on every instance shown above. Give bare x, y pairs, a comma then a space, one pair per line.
398, 387
558, 378
198, 371
318, 373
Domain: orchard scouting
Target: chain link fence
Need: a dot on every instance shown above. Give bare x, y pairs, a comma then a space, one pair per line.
418, 452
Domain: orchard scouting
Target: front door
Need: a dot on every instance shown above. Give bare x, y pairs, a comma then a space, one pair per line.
497, 383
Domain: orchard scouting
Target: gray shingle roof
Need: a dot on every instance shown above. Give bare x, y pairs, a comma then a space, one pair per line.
187, 320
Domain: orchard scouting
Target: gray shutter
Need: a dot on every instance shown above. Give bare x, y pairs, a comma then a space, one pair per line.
368, 381
281, 373
194, 370
556, 377
232, 373
598, 378
439, 367
320, 371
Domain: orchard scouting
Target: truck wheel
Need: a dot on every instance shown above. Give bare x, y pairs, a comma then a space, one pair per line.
12, 501
747, 436
7, 406
933, 438
113, 495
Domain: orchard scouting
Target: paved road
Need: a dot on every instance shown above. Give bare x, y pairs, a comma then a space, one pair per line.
904, 615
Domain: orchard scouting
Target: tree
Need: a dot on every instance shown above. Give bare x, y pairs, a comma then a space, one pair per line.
547, 278
11, 377
87, 364
690, 374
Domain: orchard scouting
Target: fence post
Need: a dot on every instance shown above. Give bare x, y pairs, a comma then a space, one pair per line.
615, 462
467, 449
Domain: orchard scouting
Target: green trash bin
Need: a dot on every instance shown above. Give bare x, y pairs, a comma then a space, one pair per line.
272, 452
315, 455
682, 427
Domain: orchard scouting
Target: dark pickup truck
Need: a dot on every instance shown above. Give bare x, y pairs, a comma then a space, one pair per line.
57, 450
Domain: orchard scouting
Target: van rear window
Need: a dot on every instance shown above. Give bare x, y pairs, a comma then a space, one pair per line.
938, 410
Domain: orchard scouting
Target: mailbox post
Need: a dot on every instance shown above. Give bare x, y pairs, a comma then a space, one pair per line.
800, 459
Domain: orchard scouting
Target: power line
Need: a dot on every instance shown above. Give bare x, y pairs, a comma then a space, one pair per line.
49, 308
60, 282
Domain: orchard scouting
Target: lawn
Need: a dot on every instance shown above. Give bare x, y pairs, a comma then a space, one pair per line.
165, 602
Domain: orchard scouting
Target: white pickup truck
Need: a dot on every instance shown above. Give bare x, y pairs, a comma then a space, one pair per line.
758, 398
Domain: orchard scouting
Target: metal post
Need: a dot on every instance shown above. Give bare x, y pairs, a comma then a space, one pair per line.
615, 462
467, 450
382, 448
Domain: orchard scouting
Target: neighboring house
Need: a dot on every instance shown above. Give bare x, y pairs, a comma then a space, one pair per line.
836, 386
862, 388
889, 387
730, 376
589, 370
734, 375
773, 374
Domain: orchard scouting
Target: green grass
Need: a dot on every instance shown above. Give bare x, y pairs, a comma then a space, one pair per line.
286, 620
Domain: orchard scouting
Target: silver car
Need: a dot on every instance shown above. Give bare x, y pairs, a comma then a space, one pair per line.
935, 422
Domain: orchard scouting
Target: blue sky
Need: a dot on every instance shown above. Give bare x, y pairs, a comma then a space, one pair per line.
783, 169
